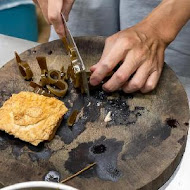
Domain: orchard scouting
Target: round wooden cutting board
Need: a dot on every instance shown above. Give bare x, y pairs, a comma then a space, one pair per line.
138, 149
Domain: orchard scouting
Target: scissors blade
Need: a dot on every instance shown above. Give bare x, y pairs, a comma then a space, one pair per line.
72, 43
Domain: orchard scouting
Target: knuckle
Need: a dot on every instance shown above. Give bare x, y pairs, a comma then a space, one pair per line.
124, 43
150, 66
142, 53
131, 41
107, 67
139, 58
150, 86
52, 17
136, 85
120, 77
108, 39
128, 42
58, 31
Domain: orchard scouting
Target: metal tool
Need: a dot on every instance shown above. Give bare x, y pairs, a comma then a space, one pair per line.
77, 62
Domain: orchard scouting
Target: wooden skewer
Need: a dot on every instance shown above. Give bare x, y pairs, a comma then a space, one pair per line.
79, 172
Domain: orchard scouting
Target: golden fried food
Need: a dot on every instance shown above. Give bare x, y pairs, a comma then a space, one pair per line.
31, 117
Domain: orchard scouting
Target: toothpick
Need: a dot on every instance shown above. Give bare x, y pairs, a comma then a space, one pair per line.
79, 172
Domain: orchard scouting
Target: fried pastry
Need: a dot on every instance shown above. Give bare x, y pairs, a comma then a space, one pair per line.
31, 117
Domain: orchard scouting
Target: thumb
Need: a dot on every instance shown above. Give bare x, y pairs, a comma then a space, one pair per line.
54, 15
93, 68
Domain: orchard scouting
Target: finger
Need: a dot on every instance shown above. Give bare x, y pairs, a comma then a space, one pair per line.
153, 79
151, 82
67, 6
36, 2
54, 16
128, 67
109, 60
105, 52
93, 68
108, 46
43, 4
138, 80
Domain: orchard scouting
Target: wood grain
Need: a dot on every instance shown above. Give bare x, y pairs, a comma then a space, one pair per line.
139, 149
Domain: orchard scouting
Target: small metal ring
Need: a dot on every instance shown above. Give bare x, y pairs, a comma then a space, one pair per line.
60, 88
53, 76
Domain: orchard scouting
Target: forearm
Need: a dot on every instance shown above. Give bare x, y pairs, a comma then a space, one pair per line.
169, 17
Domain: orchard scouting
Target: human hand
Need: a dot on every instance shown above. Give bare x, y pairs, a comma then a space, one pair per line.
142, 51
52, 10
141, 48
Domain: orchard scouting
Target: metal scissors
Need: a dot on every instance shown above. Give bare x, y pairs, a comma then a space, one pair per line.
77, 62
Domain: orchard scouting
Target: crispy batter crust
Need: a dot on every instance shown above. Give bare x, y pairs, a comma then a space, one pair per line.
31, 117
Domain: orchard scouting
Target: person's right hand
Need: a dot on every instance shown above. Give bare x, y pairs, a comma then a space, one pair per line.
52, 10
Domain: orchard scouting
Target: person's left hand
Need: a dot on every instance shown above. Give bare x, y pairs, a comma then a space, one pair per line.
141, 48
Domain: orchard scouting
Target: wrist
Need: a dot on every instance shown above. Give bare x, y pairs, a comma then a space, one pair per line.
168, 18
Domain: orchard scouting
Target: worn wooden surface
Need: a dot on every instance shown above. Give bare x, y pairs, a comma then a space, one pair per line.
139, 149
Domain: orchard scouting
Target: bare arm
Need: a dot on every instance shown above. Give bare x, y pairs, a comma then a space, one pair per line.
169, 18
141, 48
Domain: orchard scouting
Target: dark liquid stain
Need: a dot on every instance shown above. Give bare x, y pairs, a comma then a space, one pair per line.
103, 151
173, 123
17, 151
50, 52
90, 114
35, 153
121, 112
3, 143
39, 152
52, 176
122, 115
19, 147
154, 137
7, 140
99, 149
79, 159
38, 148
186, 124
